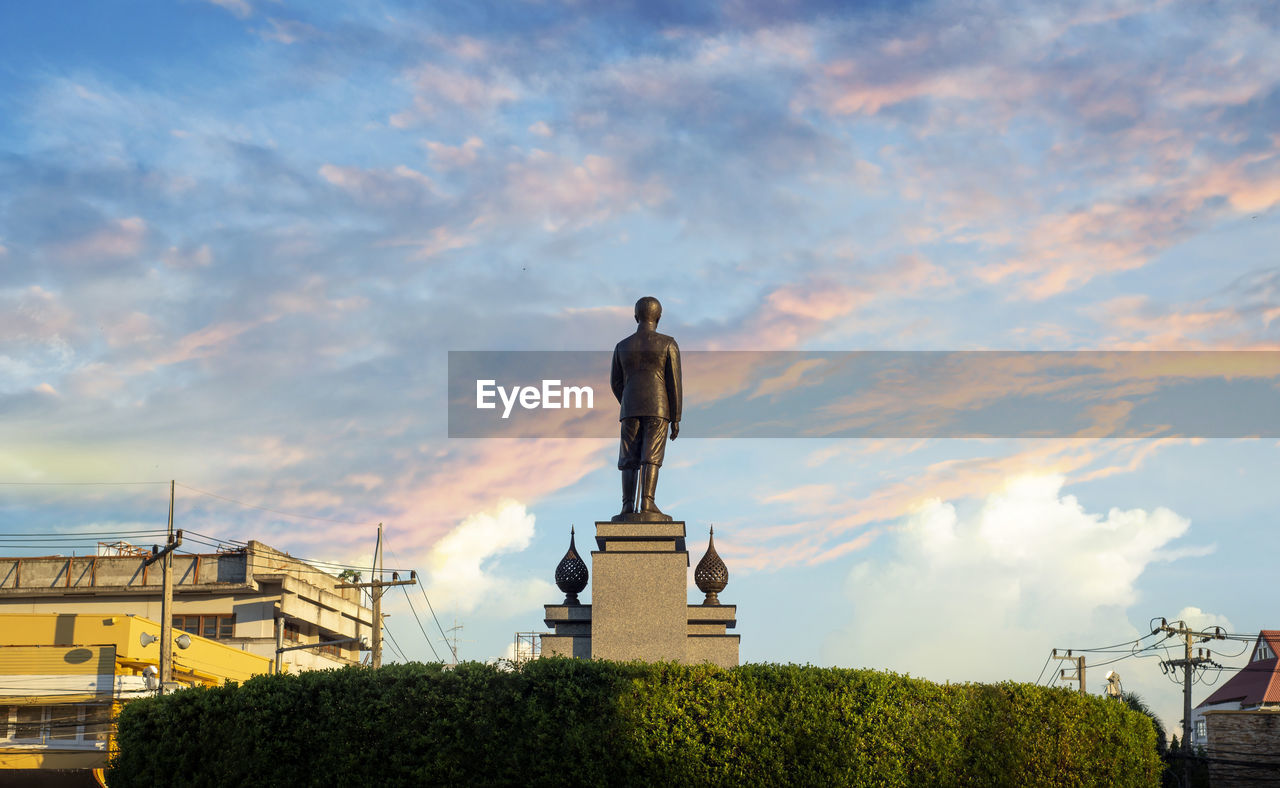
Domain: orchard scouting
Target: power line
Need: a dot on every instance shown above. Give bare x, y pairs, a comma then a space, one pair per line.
1042, 667
77, 534
75, 484
409, 599
423, 588
269, 509
394, 645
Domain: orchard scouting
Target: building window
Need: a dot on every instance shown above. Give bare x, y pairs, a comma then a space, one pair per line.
66, 723
27, 723
57, 725
331, 651
1201, 731
214, 627
1263, 652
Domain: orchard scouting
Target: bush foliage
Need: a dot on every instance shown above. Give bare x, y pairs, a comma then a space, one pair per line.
573, 722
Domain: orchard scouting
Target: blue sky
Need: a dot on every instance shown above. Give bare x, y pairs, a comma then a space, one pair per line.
238, 238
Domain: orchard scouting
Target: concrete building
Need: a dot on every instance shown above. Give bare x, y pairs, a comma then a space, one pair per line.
64, 676
236, 597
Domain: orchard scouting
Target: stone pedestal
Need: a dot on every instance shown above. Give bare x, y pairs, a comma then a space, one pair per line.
638, 599
639, 604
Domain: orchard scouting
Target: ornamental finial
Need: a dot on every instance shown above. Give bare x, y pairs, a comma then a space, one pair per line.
712, 575
571, 574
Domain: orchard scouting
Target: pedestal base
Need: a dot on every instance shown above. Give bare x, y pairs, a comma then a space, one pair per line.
639, 602
641, 517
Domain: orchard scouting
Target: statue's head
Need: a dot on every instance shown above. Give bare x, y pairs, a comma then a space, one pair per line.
648, 310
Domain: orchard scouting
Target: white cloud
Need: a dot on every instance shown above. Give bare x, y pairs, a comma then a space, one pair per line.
985, 596
240, 8
461, 568
1198, 619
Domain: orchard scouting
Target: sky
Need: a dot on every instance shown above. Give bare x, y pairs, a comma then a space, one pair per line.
239, 238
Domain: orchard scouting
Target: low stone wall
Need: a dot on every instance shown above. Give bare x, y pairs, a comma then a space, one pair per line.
1243, 746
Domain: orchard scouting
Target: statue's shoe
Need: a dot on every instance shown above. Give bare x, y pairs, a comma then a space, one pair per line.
641, 517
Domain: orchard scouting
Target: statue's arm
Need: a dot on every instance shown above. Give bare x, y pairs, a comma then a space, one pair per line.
617, 380
675, 388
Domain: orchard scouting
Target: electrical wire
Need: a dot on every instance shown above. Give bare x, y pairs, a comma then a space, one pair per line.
75, 484
269, 509
1042, 667
392, 642
409, 599
422, 587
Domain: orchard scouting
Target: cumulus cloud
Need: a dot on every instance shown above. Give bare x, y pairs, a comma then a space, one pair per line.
984, 596
1200, 620
1029, 567
462, 571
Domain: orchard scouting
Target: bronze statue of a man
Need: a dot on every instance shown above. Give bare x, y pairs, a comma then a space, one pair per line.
646, 381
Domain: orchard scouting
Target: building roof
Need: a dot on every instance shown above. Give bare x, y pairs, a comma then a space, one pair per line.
1256, 683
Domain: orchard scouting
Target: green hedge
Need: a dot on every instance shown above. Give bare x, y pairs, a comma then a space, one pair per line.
571, 722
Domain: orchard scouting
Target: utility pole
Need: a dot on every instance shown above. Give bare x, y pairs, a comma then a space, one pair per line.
375, 587
1188, 664
454, 631
279, 641
376, 594
1079, 663
165, 556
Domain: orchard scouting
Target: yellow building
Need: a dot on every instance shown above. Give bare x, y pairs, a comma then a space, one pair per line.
63, 676
250, 598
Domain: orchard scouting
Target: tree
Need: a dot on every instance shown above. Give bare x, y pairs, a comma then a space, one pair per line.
1135, 702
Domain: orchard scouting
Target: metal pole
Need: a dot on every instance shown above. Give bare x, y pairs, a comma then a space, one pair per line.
1186, 694
166, 606
377, 603
279, 642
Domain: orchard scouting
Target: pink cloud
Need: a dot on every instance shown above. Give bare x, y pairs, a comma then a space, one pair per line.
790, 314
437, 88
1136, 323
1063, 251
834, 523
438, 241
34, 315
119, 239
395, 186
566, 194
454, 156
473, 476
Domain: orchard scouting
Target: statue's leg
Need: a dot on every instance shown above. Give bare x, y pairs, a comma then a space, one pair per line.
655, 442
648, 485
629, 476
629, 463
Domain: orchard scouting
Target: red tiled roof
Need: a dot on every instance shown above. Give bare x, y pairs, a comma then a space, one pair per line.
1255, 683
